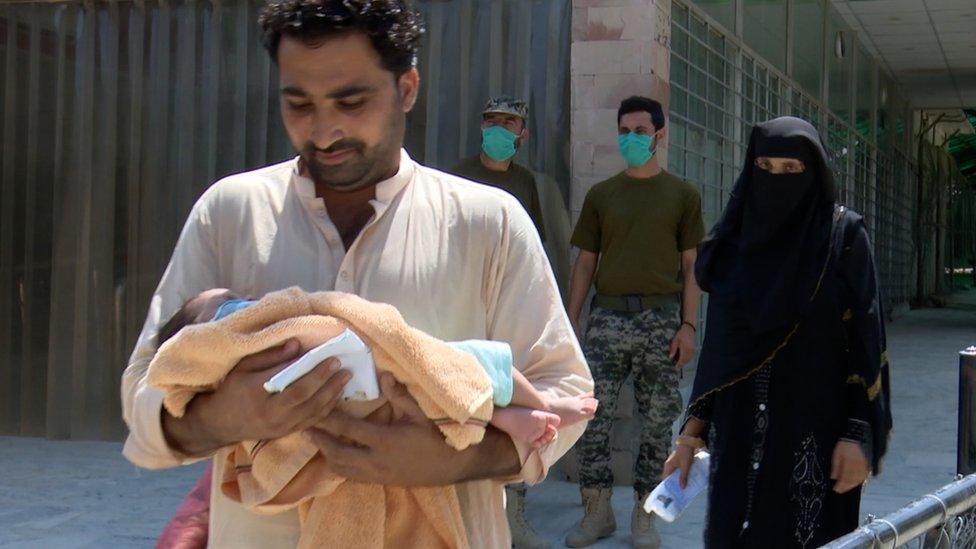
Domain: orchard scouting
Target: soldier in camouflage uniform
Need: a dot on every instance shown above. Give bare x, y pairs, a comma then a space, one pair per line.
618, 345
504, 131
637, 233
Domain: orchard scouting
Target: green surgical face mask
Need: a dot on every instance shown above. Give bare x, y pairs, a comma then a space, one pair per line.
636, 148
498, 143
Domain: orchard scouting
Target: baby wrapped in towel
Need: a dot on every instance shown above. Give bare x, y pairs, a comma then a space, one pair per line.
454, 384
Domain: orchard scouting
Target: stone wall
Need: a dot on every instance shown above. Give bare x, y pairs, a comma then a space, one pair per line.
620, 48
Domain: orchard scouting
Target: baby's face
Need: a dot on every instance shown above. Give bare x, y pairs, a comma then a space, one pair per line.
203, 307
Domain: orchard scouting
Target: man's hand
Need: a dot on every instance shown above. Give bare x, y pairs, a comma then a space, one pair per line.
849, 467
409, 451
681, 458
682, 346
240, 409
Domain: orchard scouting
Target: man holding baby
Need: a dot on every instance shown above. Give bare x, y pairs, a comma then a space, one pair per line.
354, 213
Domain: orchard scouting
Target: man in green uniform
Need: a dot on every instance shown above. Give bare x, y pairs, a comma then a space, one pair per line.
642, 227
503, 132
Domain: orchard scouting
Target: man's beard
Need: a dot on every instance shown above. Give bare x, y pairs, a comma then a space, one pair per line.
365, 167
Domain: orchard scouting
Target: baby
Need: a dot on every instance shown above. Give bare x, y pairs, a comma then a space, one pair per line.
520, 409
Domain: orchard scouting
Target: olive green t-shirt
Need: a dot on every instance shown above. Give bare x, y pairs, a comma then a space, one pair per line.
516, 181
640, 227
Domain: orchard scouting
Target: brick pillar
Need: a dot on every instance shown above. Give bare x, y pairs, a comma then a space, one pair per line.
620, 48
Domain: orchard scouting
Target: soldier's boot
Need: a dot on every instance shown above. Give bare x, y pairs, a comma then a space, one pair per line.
523, 536
643, 532
598, 520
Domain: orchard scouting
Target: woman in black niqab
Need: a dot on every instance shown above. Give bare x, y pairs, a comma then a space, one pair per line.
791, 390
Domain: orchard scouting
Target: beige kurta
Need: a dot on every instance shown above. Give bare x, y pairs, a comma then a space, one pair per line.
459, 260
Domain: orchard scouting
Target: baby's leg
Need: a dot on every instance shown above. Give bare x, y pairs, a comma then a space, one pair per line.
571, 409
574, 409
524, 394
533, 426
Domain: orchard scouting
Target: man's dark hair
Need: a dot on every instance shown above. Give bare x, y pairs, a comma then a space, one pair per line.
642, 104
392, 27
176, 323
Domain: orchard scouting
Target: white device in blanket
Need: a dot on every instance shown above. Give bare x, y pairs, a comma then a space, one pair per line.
353, 355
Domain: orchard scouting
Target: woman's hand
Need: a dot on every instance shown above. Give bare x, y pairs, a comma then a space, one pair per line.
849, 468
681, 458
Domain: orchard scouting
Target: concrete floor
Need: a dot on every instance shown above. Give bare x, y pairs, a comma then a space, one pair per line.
84, 494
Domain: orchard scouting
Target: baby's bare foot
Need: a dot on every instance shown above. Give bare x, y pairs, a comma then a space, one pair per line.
549, 435
574, 409
533, 426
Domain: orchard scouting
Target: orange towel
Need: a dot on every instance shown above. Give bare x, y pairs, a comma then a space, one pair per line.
273, 475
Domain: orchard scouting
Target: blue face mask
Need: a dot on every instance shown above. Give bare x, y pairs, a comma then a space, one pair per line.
232, 306
498, 143
636, 148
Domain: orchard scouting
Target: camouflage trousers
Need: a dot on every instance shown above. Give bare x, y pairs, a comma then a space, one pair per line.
616, 345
